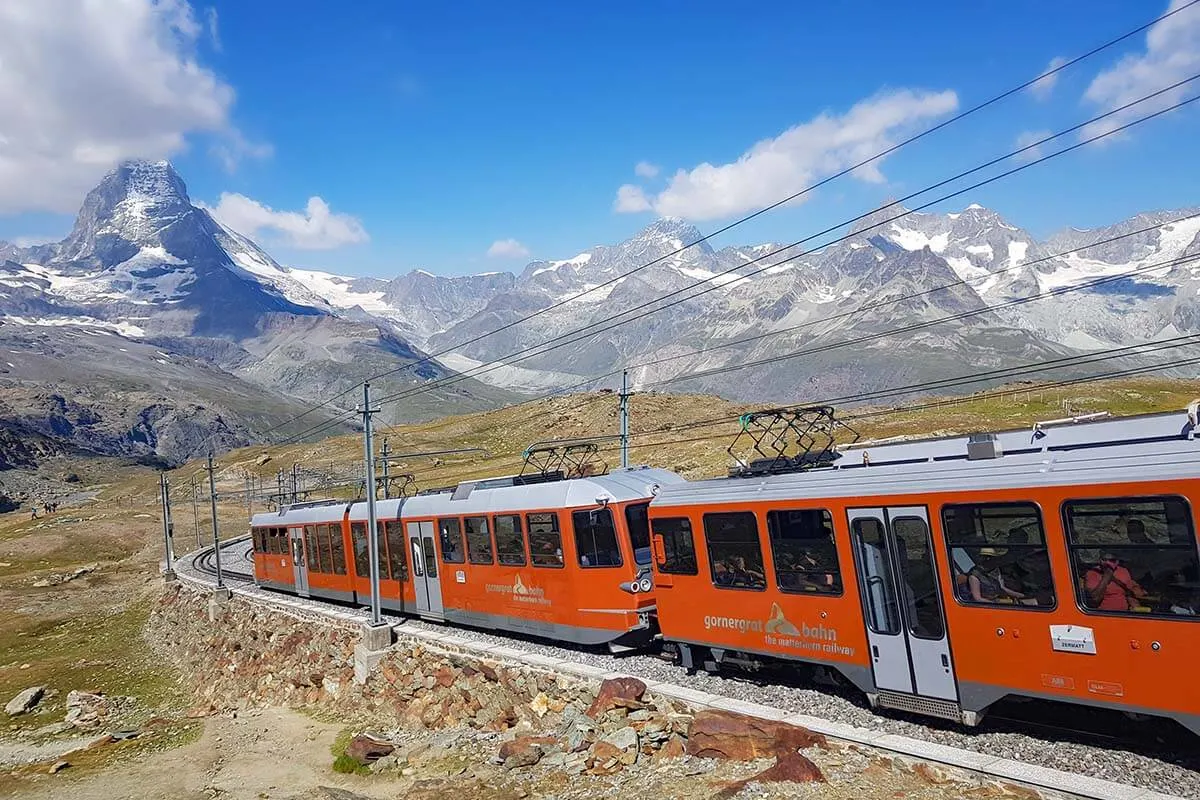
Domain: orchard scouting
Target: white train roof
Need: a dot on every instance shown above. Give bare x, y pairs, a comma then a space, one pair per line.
637, 483
305, 514
1117, 463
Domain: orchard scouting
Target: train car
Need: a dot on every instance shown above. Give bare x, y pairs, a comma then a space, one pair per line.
302, 549
567, 560
942, 576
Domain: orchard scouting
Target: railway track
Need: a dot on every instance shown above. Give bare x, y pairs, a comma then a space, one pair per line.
205, 561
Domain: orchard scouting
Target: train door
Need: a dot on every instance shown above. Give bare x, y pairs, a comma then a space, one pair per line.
906, 628
299, 562
424, 569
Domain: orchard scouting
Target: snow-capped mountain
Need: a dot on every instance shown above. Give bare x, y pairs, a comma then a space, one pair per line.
146, 266
893, 270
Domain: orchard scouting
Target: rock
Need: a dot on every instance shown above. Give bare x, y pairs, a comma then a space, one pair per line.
524, 751
789, 766
40, 584
737, 737
577, 741
58, 766
85, 710
674, 748
617, 693
384, 763
263, 459
624, 742
25, 701
540, 704
365, 749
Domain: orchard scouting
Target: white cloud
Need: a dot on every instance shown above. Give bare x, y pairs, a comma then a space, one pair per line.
645, 169
233, 148
631, 199
85, 84
781, 166
1172, 53
1027, 138
1044, 86
214, 33
507, 248
315, 228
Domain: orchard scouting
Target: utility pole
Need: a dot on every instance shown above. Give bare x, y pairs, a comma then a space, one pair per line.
624, 419
249, 497
367, 412
165, 496
195, 512
386, 483
212, 496
279, 486
294, 477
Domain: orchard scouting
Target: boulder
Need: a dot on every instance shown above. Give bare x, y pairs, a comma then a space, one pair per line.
617, 693
524, 751
625, 742
737, 737
25, 701
365, 749
86, 710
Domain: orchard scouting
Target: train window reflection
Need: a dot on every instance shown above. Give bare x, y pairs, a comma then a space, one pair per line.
394, 534
638, 522
510, 542
450, 537
734, 551
362, 558
1135, 556
596, 538
479, 541
679, 549
338, 549
914, 556
998, 555
803, 551
545, 542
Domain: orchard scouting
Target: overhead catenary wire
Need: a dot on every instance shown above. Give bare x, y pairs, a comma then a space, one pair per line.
888, 151
608, 325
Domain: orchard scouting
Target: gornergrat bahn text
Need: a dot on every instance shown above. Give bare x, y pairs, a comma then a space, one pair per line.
937, 576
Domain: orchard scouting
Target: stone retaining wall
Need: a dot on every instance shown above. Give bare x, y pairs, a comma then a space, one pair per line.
253, 655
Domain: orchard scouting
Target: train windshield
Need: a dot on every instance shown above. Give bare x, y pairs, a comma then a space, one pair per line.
638, 521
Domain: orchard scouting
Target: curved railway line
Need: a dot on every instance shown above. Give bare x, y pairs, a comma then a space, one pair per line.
204, 561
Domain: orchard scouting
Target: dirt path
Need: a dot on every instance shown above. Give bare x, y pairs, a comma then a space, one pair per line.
277, 753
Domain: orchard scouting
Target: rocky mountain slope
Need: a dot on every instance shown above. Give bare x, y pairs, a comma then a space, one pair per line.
176, 330
962, 263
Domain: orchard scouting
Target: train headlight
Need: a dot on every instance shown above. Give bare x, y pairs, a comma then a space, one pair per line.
644, 584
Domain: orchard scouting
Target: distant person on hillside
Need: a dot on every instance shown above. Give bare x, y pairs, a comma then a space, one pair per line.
33, 511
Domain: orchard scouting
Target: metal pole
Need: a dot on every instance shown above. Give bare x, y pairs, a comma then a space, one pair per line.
294, 482
170, 520
212, 496
195, 512
625, 419
372, 523
386, 483
162, 496
249, 498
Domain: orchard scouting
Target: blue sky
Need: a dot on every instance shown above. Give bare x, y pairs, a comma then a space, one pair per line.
443, 129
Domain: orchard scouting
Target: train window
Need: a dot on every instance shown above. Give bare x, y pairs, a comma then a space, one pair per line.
510, 542
1135, 556
325, 548
397, 563
362, 558
734, 551
430, 558
479, 541
877, 585
803, 551
998, 555
314, 551
638, 521
596, 538
381, 555
256, 535
679, 549
545, 542
275, 543
918, 579
450, 537
337, 547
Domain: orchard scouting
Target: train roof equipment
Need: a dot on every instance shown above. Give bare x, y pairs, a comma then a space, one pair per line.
774, 433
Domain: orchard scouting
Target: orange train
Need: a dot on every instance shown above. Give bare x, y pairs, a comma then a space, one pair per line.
937, 576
